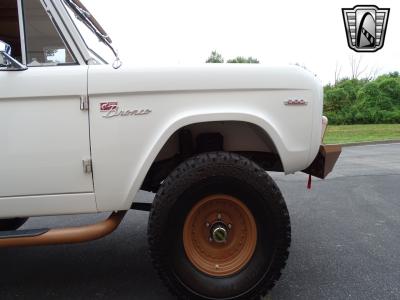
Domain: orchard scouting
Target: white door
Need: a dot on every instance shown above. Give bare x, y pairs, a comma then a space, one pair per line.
44, 133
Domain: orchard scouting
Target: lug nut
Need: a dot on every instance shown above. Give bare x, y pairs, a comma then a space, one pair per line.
207, 224
230, 226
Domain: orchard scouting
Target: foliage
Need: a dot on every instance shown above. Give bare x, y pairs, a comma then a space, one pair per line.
215, 58
243, 60
362, 101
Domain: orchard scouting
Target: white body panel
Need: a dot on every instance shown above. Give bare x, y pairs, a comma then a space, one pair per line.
123, 148
45, 137
47, 205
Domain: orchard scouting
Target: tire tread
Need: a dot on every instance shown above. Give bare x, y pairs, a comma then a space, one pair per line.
196, 168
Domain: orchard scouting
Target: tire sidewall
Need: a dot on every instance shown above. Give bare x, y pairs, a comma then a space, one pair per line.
259, 193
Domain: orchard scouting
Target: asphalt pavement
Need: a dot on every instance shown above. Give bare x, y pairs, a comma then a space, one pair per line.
345, 243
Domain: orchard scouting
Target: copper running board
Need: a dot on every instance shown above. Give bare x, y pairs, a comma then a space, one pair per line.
69, 235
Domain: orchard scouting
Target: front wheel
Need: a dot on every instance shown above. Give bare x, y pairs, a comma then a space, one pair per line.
219, 229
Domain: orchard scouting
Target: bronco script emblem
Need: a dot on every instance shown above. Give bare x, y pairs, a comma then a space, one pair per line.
365, 27
111, 110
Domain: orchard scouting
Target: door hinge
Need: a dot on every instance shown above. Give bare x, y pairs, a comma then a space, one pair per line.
87, 165
84, 103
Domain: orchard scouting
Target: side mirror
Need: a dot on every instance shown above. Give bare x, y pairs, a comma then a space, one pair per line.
7, 62
4, 47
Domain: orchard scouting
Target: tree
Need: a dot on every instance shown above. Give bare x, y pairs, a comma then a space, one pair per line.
356, 67
215, 58
394, 74
243, 60
338, 70
373, 73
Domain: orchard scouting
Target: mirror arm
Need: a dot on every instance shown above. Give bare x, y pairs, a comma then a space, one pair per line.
19, 66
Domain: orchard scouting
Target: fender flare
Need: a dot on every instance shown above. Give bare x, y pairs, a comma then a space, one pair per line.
148, 158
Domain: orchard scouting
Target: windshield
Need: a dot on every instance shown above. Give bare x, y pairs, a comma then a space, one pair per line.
94, 36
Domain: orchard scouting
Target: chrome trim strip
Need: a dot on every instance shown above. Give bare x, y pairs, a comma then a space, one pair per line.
22, 31
72, 31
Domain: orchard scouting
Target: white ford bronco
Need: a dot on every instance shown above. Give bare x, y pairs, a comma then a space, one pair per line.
82, 134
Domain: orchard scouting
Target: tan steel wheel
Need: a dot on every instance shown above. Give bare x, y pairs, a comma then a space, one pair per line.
220, 235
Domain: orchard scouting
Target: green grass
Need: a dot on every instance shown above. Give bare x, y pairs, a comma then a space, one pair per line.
342, 134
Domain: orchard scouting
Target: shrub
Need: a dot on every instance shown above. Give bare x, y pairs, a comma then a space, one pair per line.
364, 102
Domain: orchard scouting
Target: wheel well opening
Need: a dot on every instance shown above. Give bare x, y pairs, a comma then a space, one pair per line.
239, 137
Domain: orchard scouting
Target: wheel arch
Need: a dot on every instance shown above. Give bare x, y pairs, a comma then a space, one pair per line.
268, 137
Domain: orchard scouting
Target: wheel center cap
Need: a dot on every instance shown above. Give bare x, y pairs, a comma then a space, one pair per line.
219, 233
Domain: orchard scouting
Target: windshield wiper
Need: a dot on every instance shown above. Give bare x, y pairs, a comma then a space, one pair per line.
87, 18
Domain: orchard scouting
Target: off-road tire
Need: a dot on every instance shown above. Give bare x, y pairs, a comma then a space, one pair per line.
209, 174
11, 224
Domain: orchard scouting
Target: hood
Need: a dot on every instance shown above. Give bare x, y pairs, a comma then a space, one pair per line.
205, 77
